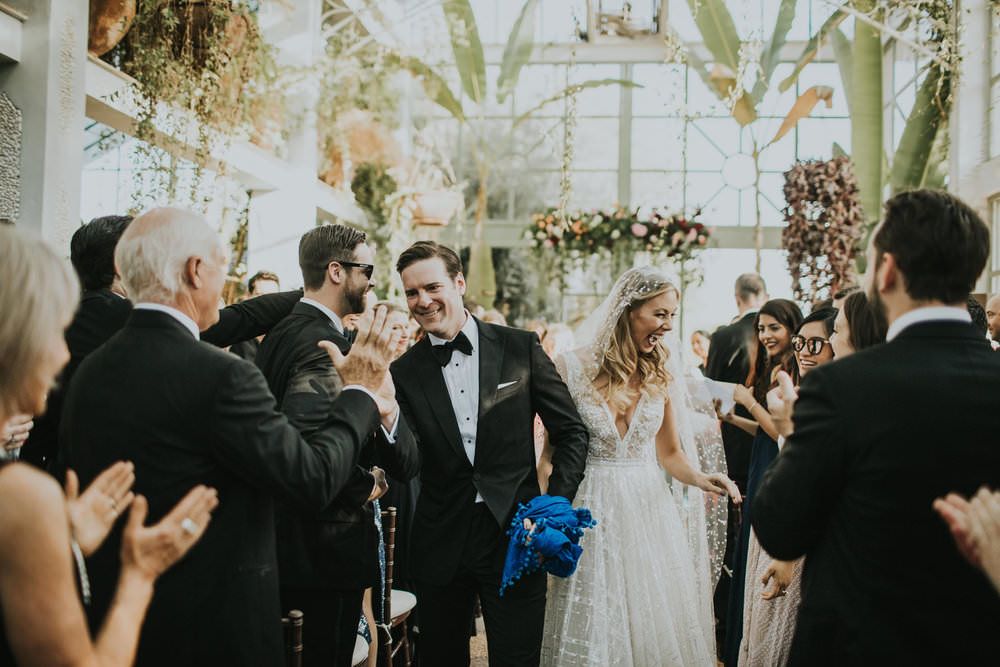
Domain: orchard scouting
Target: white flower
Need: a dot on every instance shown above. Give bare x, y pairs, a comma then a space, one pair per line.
541, 236
616, 234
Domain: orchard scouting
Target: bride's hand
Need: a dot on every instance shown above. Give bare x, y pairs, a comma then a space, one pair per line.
719, 483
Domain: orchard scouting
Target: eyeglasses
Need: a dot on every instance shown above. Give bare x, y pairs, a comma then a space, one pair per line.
814, 345
368, 269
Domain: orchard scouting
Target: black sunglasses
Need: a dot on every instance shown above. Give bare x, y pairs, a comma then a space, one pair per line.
814, 345
368, 269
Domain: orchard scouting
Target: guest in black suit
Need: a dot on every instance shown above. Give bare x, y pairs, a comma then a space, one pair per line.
879, 436
187, 413
470, 392
728, 360
327, 559
993, 316
260, 283
104, 308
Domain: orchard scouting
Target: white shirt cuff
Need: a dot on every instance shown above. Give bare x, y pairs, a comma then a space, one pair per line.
390, 434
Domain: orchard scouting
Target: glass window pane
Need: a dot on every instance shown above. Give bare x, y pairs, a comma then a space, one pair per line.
719, 204
661, 190
596, 145
602, 101
777, 103
537, 83
534, 192
682, 22
662, 91
709, 140
816, 137
559, 19
485, 12
658, 143
594, 189
995, 119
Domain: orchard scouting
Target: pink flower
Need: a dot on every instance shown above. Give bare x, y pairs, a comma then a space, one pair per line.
548, 243
639, 230
692, 235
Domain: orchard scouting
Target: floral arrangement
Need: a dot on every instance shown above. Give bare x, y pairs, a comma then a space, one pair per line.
619, 231
825, 221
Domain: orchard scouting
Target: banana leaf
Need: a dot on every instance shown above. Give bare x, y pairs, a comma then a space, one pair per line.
570, 90
866, 117
842, 51
910, 162
838, 150
520, 43
772, 56
723, 81
803, 107
434, 85
716, 81
813, 46
468, 49
936, 173
718, 30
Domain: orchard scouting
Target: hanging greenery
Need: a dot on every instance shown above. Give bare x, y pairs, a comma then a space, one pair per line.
204, 75
825, 221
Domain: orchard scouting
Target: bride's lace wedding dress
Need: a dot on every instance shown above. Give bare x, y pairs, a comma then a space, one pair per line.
642, 594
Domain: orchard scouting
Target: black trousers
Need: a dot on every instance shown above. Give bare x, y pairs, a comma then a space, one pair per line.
513, 622
329, 624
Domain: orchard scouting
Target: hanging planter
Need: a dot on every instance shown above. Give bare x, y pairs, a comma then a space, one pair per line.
436, 208
110, 21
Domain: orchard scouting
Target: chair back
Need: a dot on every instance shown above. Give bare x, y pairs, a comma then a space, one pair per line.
292, 628
385, 623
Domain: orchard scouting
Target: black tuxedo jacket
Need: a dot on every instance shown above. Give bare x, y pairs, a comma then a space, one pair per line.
335, 548
101, 314
187, 413
504, 471
729, 361
878, 436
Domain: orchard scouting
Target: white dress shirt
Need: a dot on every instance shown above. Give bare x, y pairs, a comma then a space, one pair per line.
461, 376
188, 323
390, 434
927, 314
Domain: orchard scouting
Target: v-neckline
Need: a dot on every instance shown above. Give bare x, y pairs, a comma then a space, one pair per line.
609, 413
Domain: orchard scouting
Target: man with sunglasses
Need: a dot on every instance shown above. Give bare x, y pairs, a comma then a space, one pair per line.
327, 559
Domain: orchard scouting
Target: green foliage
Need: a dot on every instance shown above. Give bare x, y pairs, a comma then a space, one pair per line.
206, 58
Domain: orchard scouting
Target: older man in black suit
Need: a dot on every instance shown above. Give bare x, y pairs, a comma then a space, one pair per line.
104, 309
470, 391
188, 413
878, 436
327, 559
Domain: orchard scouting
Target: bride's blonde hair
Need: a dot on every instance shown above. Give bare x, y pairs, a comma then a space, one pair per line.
622, 359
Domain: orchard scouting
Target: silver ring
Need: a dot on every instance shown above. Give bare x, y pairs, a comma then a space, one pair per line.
189, 526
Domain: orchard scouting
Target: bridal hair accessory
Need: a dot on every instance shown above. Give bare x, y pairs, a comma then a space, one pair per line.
553, 544
595, 332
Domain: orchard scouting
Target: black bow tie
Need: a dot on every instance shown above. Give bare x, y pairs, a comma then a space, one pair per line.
443, 352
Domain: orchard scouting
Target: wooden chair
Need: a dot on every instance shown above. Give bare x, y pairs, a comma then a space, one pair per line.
403, 602
292, 627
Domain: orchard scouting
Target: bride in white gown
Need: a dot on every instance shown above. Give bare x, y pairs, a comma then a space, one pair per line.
642, 593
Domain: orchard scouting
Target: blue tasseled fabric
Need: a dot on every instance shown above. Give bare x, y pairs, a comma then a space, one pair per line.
553, 544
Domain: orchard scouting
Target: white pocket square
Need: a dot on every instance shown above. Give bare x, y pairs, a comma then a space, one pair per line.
504, 385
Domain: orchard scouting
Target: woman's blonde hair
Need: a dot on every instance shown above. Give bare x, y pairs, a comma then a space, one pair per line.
622, 360
38, 295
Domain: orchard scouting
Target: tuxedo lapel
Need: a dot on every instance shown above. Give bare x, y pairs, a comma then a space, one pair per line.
490, 362
428, 373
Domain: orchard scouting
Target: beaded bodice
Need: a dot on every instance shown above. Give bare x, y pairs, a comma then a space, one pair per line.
606, 442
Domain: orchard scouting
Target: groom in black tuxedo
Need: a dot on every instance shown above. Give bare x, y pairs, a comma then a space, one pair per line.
878, 437
470, 391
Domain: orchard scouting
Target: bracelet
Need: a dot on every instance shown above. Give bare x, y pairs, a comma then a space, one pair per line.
755, 404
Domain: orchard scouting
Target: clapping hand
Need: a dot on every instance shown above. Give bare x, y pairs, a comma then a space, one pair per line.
16, 431
719, 483
781, 403
975, 526
92, 514
743, 396
148, 551
367, 362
